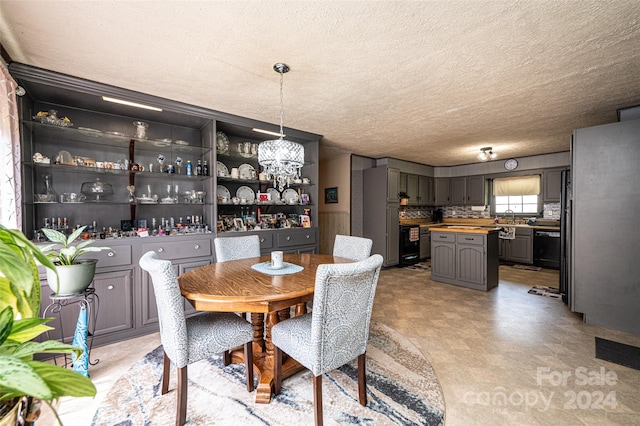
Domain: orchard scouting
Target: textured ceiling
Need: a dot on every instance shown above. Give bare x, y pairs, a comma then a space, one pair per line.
430, 82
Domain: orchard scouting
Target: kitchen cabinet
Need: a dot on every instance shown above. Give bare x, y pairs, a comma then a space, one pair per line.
412, 190
465, 259
392, 185
459, 191
381, 222
551, 185
425, 190
468, 190
476, 194
519, 249
442, 191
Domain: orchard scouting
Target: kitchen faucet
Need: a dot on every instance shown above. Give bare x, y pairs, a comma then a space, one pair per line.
513, 216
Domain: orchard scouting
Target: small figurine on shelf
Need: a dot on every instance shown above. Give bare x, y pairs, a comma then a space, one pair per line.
179, 165
160, 160
132, 197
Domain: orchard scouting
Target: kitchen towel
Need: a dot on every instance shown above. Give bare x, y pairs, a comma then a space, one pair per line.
81, 363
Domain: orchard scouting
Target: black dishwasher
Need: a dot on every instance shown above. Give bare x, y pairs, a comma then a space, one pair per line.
546, 249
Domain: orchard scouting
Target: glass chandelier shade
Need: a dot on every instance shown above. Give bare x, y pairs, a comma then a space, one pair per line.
281, 160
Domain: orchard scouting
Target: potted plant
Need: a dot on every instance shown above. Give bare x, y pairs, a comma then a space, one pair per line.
73, 274
20, 375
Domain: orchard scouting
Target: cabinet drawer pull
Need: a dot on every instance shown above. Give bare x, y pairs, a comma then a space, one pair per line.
160, 250
442, 236
111, 254
197, 246
468, 239
110, 287
262, 240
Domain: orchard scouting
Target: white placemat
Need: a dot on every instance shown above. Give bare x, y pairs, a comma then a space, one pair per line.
287, 268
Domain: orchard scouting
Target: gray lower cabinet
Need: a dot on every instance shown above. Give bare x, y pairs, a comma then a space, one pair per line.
519, 249
425, 243
468, 260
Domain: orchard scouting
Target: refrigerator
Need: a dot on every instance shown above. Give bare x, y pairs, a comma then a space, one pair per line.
565, 237
604, 264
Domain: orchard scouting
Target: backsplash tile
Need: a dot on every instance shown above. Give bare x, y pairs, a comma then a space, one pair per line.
465, 212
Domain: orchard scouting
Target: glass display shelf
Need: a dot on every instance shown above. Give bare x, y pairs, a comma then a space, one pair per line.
68, 168
117, 140
248, 158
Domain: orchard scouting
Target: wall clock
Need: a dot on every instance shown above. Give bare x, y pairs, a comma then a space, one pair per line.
511, 164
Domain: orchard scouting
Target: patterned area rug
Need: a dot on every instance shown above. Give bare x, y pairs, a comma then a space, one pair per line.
527, 267
422, 266
545, 291
402, 389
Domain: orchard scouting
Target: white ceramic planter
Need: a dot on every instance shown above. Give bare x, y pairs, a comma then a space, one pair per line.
74, 279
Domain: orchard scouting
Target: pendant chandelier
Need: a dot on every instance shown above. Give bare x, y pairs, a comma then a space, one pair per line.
281, 160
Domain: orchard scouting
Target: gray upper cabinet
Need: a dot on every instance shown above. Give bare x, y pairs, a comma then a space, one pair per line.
413, 190
425, 190
443, 191
393, 185
459, 191
476, 194
551, 185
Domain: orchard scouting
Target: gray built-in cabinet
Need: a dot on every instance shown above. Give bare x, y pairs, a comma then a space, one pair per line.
103, 132
519, 249
380, 222
468, 260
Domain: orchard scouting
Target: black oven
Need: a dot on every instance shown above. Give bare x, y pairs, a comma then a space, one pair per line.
409, 244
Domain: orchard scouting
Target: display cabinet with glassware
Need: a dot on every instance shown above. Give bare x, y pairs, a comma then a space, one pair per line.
148, 179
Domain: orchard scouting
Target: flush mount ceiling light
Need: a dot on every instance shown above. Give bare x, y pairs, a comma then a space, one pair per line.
281, 160
486, 154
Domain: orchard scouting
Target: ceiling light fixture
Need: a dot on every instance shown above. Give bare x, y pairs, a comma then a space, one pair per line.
485, 156
129, 103
281, 159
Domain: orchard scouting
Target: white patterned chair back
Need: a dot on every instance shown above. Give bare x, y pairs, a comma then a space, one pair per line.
354, 248
234, 248
173, 327
342, 306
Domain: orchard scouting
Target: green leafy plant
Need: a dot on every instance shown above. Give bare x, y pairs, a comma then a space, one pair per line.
67, 254
20, 374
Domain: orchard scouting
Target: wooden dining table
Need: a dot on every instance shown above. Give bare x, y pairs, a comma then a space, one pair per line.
233, 286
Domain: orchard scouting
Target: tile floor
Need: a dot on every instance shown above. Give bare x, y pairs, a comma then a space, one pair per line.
504, 357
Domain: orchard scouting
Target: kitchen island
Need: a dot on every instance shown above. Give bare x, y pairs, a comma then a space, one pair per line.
465, 255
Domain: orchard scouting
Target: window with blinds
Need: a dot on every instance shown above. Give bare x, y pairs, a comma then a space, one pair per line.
518, 194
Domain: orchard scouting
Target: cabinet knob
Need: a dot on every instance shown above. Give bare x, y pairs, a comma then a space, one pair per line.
109, 287
262, 240
197, 246
288, 238
160, 250
111, 254
308, 236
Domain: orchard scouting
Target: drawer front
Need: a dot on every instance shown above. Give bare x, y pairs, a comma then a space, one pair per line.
522, 232
121, 255
443, 237
266, 241
470, 239
296, 239
168, 250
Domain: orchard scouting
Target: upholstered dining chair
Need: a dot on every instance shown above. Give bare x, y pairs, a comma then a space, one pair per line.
234, 248
188, 340
350, 247
337, 330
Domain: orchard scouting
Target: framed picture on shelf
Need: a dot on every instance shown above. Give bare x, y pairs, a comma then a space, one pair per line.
305, 221
304, 198
330, 195
238, 224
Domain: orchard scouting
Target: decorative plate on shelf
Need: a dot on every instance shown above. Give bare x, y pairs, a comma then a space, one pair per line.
162, 142
246, 171
290, 196
275, 195
223, 192
222, 143
221, 169
183, 143
246, 192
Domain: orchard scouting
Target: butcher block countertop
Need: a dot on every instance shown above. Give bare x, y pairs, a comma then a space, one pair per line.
487, 225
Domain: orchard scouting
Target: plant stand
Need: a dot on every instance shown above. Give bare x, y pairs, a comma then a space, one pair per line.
87, 299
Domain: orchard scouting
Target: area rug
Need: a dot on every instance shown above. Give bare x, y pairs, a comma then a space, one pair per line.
422, 266
402, 389
526, 267
619, 353
545, 291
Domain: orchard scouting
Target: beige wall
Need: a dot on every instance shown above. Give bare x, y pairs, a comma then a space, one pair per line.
334, 218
